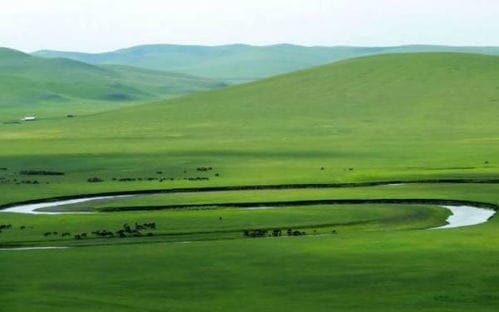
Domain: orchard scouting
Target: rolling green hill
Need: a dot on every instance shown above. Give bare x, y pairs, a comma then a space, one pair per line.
400, 115
398, 118
34, 85
240, 63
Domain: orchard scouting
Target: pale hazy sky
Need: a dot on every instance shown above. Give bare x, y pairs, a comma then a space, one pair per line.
101, 25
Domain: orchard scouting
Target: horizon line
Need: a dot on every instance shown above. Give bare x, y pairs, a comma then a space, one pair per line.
256, 45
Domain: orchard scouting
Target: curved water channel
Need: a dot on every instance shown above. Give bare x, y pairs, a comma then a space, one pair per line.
461, 215
35, 207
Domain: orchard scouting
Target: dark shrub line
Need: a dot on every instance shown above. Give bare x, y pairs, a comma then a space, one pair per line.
41, 172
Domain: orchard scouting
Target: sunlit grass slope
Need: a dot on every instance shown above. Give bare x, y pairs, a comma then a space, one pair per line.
33, 85
402, 116
416, 116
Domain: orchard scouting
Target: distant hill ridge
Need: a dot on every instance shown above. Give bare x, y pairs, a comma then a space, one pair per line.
33, 82
239, 62
424, 95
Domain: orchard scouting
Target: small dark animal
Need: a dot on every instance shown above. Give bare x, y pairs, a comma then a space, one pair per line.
94, 180
5, 226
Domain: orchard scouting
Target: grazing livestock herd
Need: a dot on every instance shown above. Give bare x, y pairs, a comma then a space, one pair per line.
15, 179
146, 230
18, 180
9, 227
276, 233
127, 230
161, 179
272, 233
5, 227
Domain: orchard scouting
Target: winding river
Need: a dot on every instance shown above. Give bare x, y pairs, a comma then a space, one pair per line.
466, 216
461, 215
35, 208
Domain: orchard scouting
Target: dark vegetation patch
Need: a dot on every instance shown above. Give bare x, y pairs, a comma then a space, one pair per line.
41, 172
197, 179
52, 97
117, 97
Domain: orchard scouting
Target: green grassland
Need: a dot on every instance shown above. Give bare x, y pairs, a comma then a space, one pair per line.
56, 87
410, 271
375, 118
400, 117
217, 224
385, 264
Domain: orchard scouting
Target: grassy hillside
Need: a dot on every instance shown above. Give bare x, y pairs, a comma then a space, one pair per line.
402, 117
239, 63
33, 85
391, 116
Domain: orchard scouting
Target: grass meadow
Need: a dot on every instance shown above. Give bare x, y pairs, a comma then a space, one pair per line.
403, 117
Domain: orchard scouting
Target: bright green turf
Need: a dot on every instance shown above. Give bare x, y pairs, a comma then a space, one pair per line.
410, 271
401, 116
46, 88
451, 270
